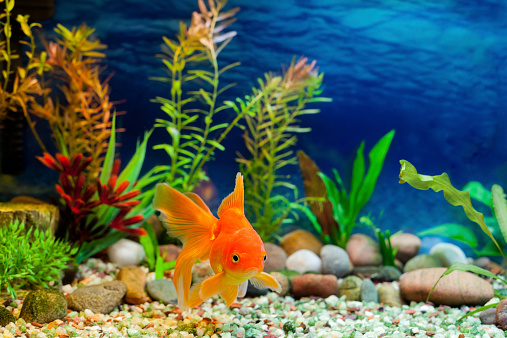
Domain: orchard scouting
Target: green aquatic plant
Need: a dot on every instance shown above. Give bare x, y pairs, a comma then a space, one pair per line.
408, 174
347, 206
270, 130
194, 133
155, 261
30, 258
490, 198
384, 240
100, 213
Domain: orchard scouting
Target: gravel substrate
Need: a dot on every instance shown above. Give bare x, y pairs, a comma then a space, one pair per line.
268, 316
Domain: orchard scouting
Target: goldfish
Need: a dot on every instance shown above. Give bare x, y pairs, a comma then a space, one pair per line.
234, 249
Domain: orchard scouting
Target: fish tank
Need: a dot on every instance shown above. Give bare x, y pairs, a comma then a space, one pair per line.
341, 118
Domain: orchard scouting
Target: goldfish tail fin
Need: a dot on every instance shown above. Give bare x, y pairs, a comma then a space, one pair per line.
235, 198
194, 299
191, 224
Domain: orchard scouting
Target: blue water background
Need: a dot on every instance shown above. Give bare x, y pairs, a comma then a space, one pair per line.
433, 70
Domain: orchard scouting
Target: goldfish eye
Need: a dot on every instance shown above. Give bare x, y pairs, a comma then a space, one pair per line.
264, 258
235, 258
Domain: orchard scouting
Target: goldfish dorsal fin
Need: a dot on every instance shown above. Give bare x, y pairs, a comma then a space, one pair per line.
197, 200
235, 199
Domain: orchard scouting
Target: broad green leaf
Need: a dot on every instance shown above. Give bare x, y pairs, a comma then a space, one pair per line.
451, 230
107, 165
409, 174
500, 208
358, 170
478, 192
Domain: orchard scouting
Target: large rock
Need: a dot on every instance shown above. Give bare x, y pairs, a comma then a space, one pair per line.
363, 250
135, 279
300, 239
6, 317
335, 261
101, 298
275, 257
43, 306
456, 289
304, 261
314, 285
408, 246
42, 216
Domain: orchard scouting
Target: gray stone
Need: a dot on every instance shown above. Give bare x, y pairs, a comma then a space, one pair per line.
126, 252
368, 291
448, 254
377, 273
488, 316
162, 290
43, 306
422, 262
275, 257
335, 261
6, 317
101, 298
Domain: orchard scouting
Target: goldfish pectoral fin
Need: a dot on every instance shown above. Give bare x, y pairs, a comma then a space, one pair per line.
198, 200
242, 289
194, 299
265, 281
182, 277
235, 199
229, 295
213, 286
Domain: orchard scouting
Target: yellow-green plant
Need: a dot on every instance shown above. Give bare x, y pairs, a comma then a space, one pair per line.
192, 59
18, 87
270, 132
408, 174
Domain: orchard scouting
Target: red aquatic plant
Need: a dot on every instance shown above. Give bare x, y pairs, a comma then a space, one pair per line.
83, 201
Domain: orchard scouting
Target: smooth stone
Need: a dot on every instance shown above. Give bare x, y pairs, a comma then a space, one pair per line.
335, 261
488, 317
351, 288
126, 252
422, 262
448, 254
101, 298
377, 273
408, 246
171, 252
135, 279
6, 317
388, 295
300, 239
275, 257
501, 314
303, 261
162, 290
363, 250
284, 282
368, 291
456, 289
43, 306
314, 285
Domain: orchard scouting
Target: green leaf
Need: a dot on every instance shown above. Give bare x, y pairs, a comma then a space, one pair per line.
500, 208
216, 145
107, 165
478, 192
451, 230
409, 174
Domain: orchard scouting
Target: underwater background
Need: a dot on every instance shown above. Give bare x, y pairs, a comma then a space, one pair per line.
435, 71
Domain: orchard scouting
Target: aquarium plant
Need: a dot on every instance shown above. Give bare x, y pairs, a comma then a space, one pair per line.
76, 101
155, 261
102, 212
408, 174
30, 258
191, 113
270, 130
384, 240
347, 206
464, 234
